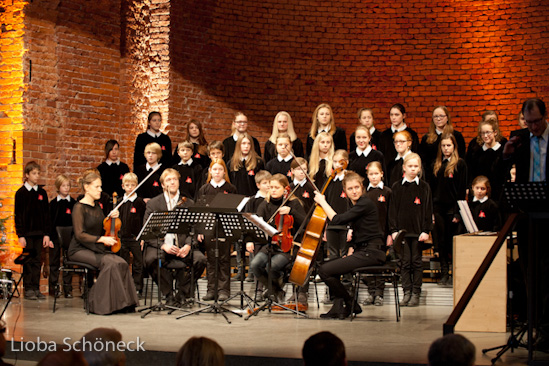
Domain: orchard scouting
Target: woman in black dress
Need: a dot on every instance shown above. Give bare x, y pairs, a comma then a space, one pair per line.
283, 124
114, 290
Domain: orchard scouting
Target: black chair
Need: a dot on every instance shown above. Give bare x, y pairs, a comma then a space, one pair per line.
390, 270
64, 234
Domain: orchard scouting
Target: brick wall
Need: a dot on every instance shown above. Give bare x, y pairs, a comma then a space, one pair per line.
93, 70
76, 98
267, 56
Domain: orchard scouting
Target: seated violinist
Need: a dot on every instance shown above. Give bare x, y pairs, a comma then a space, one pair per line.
366, 244
278, 187
174, 249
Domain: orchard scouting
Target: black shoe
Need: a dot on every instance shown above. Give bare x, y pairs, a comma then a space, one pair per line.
209, 296
39, 295
406, 299
30, 295
68, 295
337, 309
170, 301
357, 309
414, 301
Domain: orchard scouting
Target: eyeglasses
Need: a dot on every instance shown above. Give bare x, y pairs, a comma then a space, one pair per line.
487, 133
400, 142
439, 116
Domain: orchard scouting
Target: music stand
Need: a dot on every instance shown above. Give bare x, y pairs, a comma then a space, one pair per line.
185, 224
236, 225
532, 199
222, 203
157, 226
269, 302
22, 259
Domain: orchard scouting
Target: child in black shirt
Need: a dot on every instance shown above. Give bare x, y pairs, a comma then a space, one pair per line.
411, 209
152, 187
244, 164
189, 170
485, 210
281, 164
131, 215
112, 169
32, 226
380, 194
61, 215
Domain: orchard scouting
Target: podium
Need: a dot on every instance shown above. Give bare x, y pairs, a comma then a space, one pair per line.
487, 310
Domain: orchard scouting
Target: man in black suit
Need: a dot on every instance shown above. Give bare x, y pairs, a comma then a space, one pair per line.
527, 149
174, 249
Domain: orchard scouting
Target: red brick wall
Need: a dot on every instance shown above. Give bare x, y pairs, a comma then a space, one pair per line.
262, 57
76, 98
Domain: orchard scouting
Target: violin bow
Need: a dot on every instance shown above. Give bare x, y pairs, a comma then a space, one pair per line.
303, 170
283, 203
126, 198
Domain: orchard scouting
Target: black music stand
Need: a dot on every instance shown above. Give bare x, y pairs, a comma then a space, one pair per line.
157, 226
186, 223
221, 204
532, 199
238, 226
22, 259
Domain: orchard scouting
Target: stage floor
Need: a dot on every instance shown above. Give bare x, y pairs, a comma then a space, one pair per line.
373, 337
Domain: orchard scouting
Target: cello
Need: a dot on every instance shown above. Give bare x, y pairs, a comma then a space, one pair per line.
312, 236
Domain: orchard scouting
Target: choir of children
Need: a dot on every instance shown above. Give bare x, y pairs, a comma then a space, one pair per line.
415, 202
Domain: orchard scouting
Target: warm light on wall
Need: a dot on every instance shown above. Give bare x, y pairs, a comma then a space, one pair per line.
12, 86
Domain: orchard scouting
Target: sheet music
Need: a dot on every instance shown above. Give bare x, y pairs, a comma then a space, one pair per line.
467, 217
260, 223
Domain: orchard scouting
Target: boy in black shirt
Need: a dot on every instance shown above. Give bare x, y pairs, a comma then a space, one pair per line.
189, 169
131, 215
61, 215
32, 226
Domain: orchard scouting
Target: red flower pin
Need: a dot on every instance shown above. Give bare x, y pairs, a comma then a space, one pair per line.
251, 172
343, 195
188, 180
155, 184
101, 205
451, 175
163, 148
68, 211
482, 214
197, 155
40, 197
374, 147
289, 174
225, 192
121, 176
133, 210
381, 198
417, 201
306, 194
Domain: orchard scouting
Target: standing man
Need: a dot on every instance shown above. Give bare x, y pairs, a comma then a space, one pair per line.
527, 149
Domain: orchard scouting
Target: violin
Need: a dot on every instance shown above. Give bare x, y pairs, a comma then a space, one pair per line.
284, 223
312, 236
112, 227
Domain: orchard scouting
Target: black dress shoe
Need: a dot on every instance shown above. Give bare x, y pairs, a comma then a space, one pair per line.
337, 310
68, 295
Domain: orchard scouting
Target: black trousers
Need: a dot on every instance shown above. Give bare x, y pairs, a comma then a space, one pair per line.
56, 253
331, 271
31, 270
133, 247
173, 267
224, 271
443, 238
411, 266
